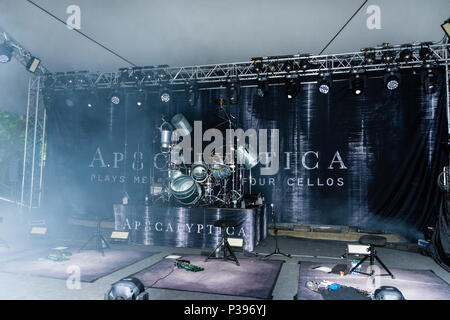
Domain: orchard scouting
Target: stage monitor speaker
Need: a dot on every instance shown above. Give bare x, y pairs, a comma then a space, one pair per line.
127, 289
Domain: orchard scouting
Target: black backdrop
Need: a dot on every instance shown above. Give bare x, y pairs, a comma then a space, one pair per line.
389, 142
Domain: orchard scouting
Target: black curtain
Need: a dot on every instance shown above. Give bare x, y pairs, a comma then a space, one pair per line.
370, 160
439, 247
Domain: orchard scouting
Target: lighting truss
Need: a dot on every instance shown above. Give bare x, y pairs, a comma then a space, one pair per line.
20, 53
214, 75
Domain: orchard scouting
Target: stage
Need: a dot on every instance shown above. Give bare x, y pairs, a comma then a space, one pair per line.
319, 252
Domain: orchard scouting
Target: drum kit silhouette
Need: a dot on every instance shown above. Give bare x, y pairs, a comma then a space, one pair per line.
217, 182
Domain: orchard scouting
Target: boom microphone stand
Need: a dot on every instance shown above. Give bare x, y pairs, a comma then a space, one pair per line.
275, 230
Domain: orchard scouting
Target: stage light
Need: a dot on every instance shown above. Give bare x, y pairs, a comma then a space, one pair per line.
161, 73
324, 86
127, 289
263, 87
140, 98
5, 53
257, 65
406, 55
425, 53
392, 82
304, 64
115, 97
164, 94
124, 75
388, 57
369, 57
33, 64
233, 92
69, 78
429, 82
191, 94
137, 74
292, 88
288, 66
446, 27
273, 67
91, 98
357, 85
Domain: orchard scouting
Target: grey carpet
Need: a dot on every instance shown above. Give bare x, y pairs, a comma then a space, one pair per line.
91, 263
253, 278
414, 284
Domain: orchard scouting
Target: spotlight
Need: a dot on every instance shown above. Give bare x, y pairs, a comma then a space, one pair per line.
115, 98
164, 94
127, 289
446, 27
140, 98
161, 73
137, 74
391, 80
425, 53
33, 64
288, 66
405, 55
304, 64
257, 65
5, 53
292, 88
273, 67
324, 86
191, 93
388, 57
357, 85
70, 78
124, 75
263, 87
369, 57
233, 92
92, 98
429, 82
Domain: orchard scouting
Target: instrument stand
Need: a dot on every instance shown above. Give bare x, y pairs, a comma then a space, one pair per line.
99, 240
275, 230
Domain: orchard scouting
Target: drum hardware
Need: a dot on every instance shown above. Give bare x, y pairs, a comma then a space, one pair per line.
218, 182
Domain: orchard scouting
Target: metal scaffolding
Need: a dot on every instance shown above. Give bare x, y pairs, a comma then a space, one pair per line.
212, 75
34, 148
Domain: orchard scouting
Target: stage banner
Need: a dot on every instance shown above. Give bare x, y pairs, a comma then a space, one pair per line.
370, 160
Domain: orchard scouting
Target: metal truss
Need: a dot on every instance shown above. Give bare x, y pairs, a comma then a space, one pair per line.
20, 53
210, 76
34, 148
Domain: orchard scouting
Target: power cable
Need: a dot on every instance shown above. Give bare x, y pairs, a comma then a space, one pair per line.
356, 12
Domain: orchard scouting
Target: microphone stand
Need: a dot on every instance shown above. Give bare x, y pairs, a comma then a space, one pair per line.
275, 230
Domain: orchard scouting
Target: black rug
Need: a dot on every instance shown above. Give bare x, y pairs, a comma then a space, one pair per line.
91, 263
253, 278
414, 284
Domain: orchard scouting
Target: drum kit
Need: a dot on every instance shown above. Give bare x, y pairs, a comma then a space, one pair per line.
216, 182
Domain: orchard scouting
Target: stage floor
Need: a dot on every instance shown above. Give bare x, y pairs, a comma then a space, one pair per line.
22, 286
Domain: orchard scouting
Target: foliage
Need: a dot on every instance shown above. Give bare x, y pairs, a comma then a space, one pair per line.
12, 133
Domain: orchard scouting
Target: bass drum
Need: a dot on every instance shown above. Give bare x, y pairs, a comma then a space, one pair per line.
185, 189
199, 172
